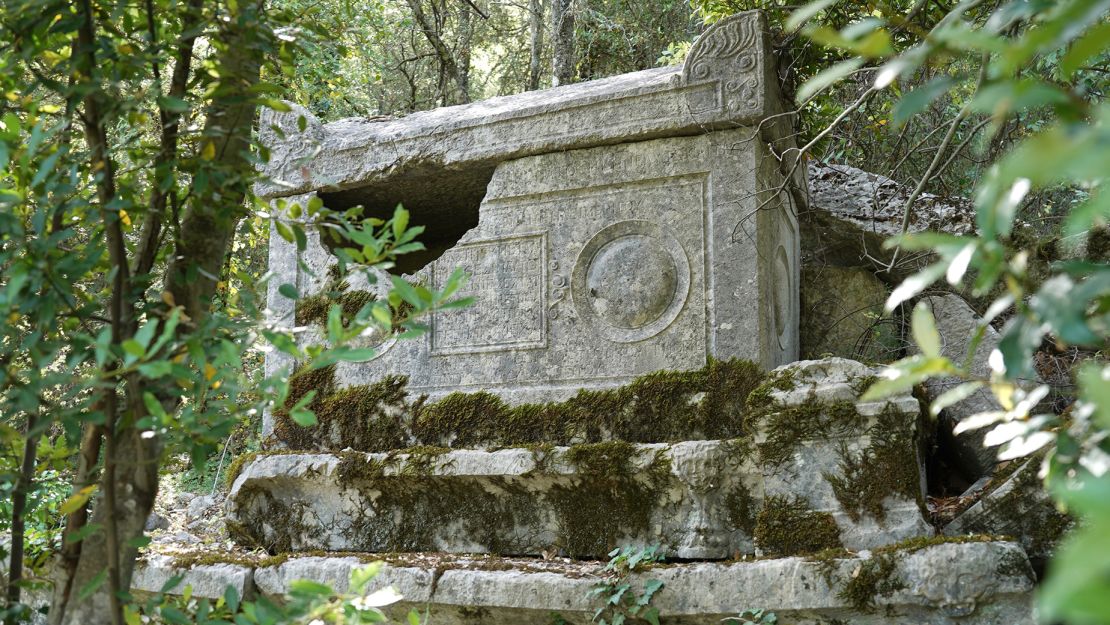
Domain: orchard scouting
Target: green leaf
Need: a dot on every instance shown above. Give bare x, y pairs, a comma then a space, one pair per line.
1090, 45
807, 12
155, 369
407, 292
139, 542
400, 222
172, 104
46, 168
1011, 96
361, 576
904, 374
915, 284
284, 231
925, 330
83, 533
289, 291
361, 354
954, 396
919, 99
77, 500
231, 598
310, 588
174, 615
93, 585
1095, 211
826, 78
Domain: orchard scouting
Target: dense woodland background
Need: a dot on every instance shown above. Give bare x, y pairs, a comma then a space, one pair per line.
133, 253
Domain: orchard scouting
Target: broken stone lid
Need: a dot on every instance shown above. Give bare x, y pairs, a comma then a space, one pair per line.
610, 228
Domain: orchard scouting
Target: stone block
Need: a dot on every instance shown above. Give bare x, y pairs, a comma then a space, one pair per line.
210, 581
842, 315
610, 228
813, 452
974, 583
1016, 504
728, 80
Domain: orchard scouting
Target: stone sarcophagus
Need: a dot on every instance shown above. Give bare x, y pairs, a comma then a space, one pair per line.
609, 228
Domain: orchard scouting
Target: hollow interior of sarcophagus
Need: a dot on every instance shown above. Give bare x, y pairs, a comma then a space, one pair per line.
446, 202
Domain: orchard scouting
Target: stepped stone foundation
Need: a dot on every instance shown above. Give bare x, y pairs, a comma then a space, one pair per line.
851, 473
627, 376
973, 583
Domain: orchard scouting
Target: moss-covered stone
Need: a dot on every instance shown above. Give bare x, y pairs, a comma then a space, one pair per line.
760, 397
612, 498
787, 526
888, 467
877, 576
788, 426
664, 406
367, 418
741, 509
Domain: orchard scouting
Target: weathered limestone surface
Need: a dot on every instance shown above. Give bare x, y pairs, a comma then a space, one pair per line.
842, 315
208, 580
700, 499
610, 229
592, 267
874, 202
969, 584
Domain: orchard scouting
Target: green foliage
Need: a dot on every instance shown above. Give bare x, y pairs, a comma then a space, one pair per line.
622, 600
753, 617
1027, 77
306, 602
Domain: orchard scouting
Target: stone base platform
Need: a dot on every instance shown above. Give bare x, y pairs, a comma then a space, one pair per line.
975, 582
698, 499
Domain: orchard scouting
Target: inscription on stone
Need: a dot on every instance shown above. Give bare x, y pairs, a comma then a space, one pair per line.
507, 282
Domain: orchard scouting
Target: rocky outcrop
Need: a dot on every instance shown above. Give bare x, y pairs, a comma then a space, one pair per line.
874, 203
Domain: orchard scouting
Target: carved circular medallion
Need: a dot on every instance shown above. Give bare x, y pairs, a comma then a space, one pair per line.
631, 280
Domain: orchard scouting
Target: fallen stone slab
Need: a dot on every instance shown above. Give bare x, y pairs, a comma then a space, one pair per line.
875, 203
958, 324
155, 572
973, 583
818, 469
1016, 504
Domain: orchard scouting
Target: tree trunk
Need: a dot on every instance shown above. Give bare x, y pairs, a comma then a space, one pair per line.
129, 481
535, 28
19, 506
443, 53
466, 34
562, 35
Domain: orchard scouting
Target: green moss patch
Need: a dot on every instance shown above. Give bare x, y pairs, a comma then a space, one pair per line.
370, 417
787, 526
888, 467
788, 426
665, 406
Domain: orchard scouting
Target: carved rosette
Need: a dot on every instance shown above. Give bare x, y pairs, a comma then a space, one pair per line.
730, 52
